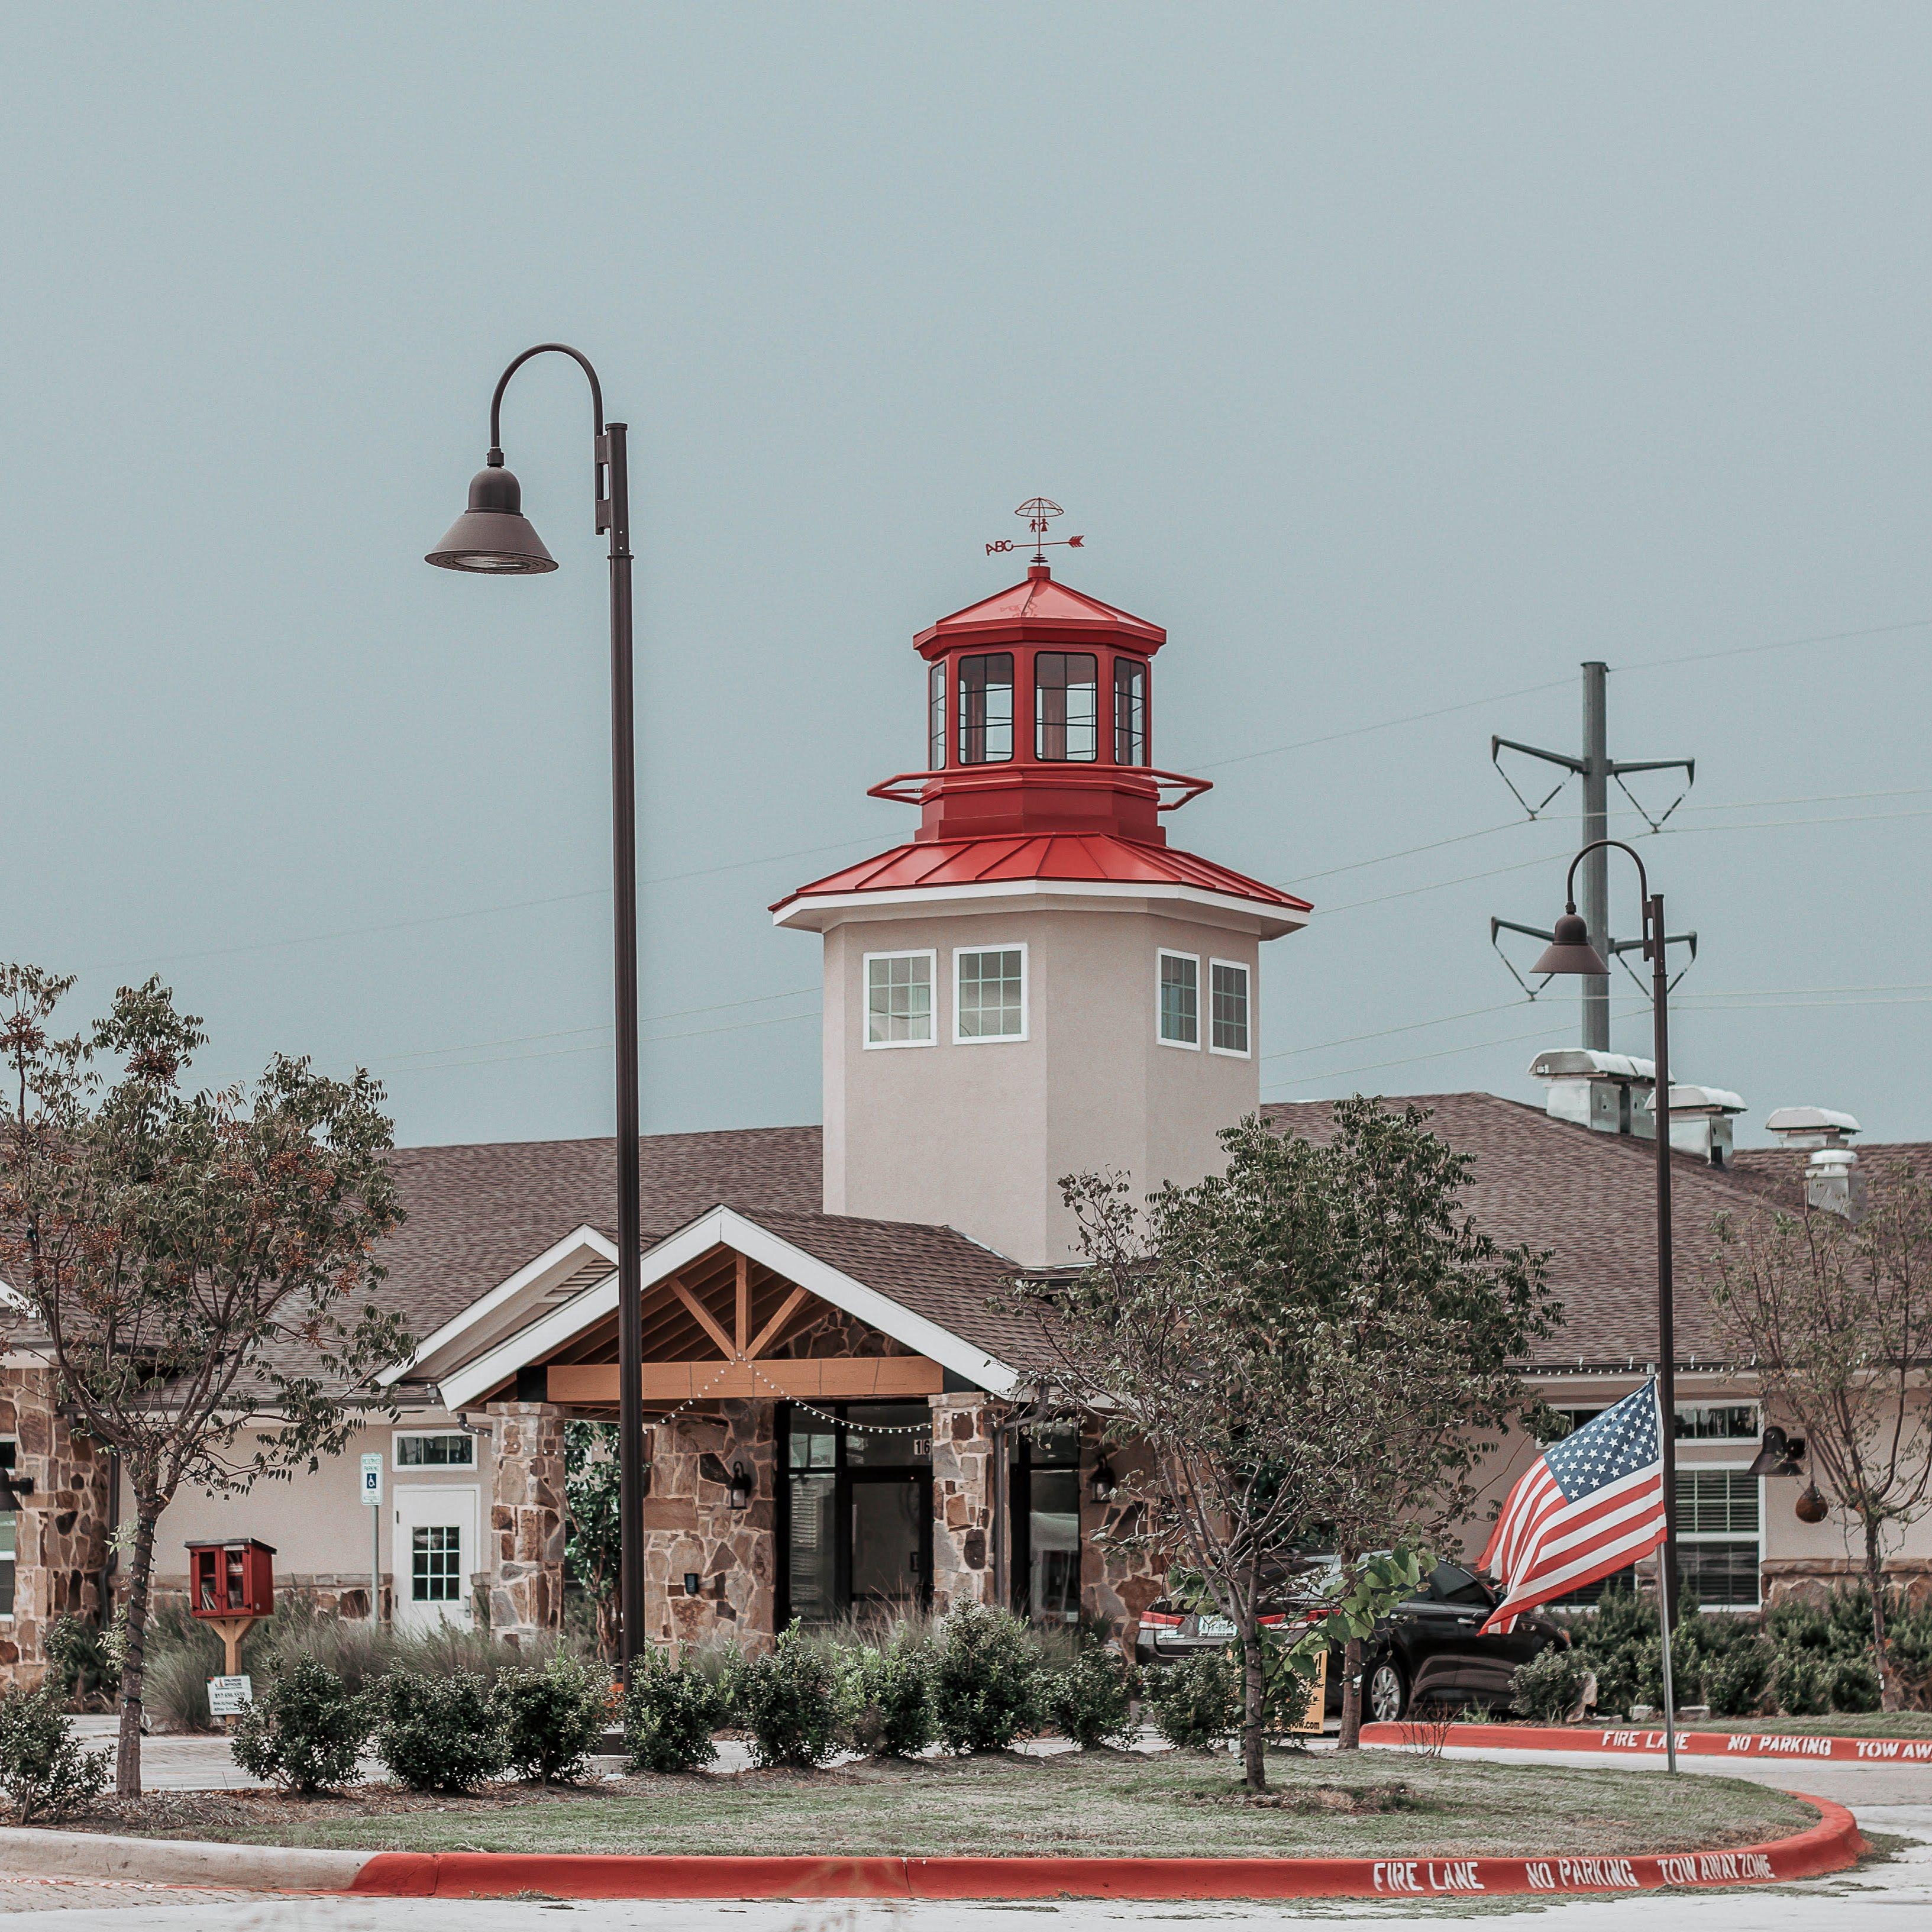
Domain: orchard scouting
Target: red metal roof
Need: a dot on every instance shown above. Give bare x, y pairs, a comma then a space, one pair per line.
1040, 608
1089, 856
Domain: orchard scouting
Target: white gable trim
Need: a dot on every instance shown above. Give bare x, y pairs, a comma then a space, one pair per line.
557, 1262
724, 1227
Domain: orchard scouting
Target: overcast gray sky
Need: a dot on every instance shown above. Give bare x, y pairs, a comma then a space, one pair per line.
1396, 359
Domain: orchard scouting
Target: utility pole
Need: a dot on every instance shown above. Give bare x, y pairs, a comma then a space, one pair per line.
1596, 769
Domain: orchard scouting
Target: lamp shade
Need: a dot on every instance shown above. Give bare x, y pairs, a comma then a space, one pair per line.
492, 535
1778, 1455
1570, 950
12, 1489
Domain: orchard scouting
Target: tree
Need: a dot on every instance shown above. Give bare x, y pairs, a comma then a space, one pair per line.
593, 1537
1292, 1347
201, 1267
1834, 1318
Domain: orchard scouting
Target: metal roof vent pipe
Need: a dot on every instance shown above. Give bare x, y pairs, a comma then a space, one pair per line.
1700, 1120
1831, 1182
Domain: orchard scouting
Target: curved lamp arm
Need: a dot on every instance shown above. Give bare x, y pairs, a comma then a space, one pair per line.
503, 382
1599, 845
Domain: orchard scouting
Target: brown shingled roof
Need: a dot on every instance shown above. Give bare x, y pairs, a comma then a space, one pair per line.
1590, 1199
478, 1213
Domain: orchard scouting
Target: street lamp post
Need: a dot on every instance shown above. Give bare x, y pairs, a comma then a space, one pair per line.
1570, 952
492, 537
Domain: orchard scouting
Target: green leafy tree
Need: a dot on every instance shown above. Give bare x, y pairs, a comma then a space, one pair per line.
200, 1266
1295, 1347
593, 1542
1835, 1316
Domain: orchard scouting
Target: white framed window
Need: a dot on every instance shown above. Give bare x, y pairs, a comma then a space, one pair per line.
1177, 999
1721, 1535
1227, 1024
434, 1449
898, 999
1717, 1421
989, 994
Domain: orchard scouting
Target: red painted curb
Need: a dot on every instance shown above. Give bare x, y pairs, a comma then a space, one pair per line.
1627, 1740
1828, 1846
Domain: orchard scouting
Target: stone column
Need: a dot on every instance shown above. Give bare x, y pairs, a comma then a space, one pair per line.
526, 1520
691, 1529
60, 1537
962, 1501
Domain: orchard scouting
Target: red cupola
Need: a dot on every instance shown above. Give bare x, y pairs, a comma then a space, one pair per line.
1038, 713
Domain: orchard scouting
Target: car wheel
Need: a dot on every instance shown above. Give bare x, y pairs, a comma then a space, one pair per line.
1388, 1691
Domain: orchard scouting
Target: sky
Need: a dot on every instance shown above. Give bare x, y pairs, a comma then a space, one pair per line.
1397, 360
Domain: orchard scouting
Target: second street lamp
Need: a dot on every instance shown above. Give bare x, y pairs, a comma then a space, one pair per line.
1569, 952
493, 537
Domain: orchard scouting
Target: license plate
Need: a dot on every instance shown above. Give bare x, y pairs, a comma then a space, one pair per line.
1214, 1627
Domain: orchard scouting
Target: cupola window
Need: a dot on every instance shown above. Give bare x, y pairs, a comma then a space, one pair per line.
989, 994
1180, 1013
898, 999
1227, 1014
1066, 705
986, 708
1130, 735
935, 705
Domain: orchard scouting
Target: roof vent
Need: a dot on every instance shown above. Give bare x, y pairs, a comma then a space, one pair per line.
1592, 1089
1812, 1127
1831, 1185
1700, 1120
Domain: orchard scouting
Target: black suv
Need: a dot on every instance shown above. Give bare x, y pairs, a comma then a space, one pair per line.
1428, 1651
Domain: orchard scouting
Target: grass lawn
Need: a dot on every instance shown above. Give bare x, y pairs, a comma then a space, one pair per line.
1381, 1804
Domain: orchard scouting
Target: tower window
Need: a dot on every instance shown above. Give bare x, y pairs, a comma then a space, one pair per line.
1180, 1000
1130, 736
1066, 705
986, 708
935, 730
898, 999
1227, 1007
989, 994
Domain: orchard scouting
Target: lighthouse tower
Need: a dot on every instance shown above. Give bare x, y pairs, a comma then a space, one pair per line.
1038, 984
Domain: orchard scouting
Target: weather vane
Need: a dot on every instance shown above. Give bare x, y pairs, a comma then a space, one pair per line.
1040, 512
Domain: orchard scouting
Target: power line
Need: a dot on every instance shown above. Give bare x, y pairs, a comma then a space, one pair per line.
1383, 1033
603, 1046
1784, 644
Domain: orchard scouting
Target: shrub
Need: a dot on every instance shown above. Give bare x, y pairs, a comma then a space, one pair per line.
1549, 1687
986, 1674
1736, 1677
42, 1766
1196, 1703
80, 1658
1854, 1684
552, 1719
1090, 1699
438, 1733
1802, 1681
670, 1711
789, 1700
888, 1704
1609, 1639
305, 1730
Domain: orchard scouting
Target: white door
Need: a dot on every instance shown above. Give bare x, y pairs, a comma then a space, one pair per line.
435, 1550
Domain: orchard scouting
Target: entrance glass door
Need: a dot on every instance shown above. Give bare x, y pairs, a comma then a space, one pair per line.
855, 1521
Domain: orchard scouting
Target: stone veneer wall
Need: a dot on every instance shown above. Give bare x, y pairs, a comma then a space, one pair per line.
61, 1536
690, 1525
526, 1520
1815, 1580
962, 1501
1116, 1583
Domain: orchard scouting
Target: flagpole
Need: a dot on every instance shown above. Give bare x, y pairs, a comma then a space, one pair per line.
1664, 1603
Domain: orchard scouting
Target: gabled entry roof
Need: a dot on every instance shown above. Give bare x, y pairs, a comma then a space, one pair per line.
926, 1288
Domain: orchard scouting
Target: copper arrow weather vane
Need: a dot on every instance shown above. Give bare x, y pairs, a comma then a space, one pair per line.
1040, 512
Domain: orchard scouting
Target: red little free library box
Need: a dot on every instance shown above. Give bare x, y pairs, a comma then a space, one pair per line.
232, 1579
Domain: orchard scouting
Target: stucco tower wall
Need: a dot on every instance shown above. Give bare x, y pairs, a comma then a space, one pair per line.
978, 1134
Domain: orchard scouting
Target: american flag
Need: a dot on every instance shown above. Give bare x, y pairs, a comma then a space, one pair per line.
1588, 1505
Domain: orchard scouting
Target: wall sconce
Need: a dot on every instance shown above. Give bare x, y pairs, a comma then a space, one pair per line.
742, 1488
1778, 1455
693, 1583
12, 1487
1103, 1485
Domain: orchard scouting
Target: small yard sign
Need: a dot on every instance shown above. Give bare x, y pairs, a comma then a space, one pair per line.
230, 1696
372, 1479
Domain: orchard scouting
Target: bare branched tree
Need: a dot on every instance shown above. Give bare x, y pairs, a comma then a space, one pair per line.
1834, 1318
200, 1267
